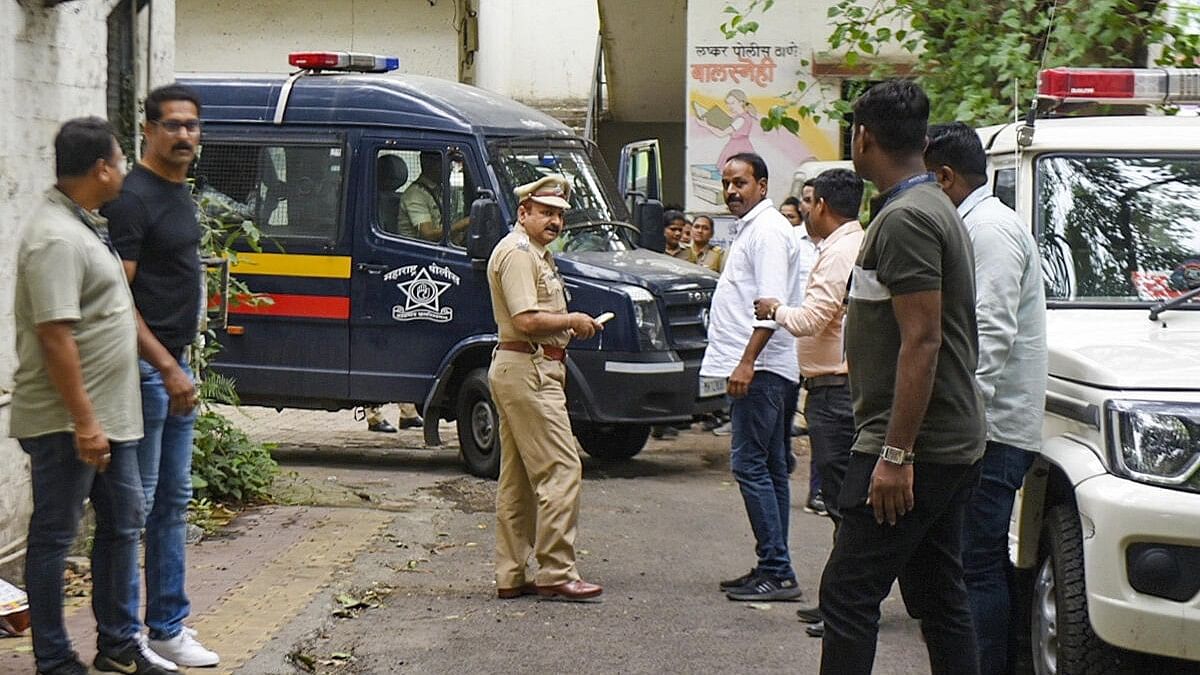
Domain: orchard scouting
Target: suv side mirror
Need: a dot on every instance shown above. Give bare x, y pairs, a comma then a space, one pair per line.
648, 217
486, 228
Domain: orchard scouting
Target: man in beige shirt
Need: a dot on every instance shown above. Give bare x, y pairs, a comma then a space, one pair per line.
537, 499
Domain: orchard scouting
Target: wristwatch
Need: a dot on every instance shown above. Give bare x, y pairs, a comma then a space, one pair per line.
894, 455
771, 312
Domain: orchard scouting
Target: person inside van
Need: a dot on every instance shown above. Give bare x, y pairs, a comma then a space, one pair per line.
421, 215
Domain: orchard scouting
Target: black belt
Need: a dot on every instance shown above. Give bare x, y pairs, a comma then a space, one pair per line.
826, 381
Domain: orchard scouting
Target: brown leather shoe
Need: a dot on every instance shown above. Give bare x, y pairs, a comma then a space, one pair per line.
574, 591
510, 593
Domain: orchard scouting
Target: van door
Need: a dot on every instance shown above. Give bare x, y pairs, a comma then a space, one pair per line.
291, 345
639, 172
415, 292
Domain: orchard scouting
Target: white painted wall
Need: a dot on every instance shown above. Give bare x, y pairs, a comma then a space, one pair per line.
52, 68
536, 51
235, 36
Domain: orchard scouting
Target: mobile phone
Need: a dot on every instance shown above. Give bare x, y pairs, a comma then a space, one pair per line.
604, 318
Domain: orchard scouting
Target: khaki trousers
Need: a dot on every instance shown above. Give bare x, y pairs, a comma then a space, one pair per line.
537, 500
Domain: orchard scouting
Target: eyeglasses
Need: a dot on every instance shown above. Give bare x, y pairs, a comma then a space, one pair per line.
173, 126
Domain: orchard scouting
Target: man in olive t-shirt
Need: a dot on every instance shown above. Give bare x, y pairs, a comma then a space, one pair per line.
911, 350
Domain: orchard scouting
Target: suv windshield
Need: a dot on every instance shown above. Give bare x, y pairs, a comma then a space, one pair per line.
1116, 228
597, 218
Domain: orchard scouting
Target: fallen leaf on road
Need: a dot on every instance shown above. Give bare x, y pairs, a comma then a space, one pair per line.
759, 605
443, 534
482, 526
470, 544
341, 656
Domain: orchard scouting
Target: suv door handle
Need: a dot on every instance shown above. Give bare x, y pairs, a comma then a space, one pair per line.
371, 268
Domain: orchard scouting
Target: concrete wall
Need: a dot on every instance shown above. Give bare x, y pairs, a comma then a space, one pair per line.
52, 68
551, 67
236, 36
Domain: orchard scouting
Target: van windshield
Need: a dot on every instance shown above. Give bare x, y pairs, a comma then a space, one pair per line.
1119, 228
593, 194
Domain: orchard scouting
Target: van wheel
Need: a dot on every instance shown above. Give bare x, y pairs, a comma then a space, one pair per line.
612, 441
478, 426
1062, 638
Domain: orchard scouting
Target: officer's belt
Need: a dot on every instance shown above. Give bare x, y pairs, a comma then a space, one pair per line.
551, 352
826, 381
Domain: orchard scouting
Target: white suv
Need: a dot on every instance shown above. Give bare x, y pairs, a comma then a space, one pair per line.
1108, 521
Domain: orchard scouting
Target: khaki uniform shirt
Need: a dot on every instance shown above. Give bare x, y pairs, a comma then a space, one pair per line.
712, 257
683, 253
421, 205
66, 272
522, 277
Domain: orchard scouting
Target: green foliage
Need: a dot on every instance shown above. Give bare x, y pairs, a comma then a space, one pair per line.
226, 465
978, 61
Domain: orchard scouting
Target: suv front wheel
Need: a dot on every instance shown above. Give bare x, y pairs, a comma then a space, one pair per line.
1062, 636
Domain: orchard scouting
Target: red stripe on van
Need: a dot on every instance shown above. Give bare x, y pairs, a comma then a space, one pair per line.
305, 306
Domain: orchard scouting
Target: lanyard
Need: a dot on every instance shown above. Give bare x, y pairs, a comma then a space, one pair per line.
907, 183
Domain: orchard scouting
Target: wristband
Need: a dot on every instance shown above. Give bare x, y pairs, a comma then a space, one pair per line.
895, 455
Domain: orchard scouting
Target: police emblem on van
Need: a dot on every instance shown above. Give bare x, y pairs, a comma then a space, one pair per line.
422, 290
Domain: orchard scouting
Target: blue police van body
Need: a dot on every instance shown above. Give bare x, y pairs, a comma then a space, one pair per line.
361, 313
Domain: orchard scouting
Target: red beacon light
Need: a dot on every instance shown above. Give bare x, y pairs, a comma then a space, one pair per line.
352, 62
1140, 86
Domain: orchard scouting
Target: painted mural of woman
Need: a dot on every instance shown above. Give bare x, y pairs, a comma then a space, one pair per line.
736, 124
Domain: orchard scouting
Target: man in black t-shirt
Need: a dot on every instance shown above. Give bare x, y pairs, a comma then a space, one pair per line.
911, 349
155, 228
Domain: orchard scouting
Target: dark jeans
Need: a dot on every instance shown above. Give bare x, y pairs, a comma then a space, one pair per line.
987, 569
921, 550
830, 416
61, 483
789, 416
759, 461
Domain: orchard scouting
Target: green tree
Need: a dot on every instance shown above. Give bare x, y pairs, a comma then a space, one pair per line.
975, 59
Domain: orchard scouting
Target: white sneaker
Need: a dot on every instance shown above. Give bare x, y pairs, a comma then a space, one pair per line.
185, 650
144, 647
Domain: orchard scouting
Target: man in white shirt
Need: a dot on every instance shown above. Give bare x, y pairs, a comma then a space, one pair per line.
1010, 308
760, 364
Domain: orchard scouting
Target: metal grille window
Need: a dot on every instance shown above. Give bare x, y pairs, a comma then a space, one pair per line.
288, 191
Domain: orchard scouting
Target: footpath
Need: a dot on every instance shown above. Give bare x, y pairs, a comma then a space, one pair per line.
267, 564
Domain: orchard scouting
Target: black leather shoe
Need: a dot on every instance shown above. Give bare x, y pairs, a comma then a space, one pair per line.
412, 422
810, 614
382, 426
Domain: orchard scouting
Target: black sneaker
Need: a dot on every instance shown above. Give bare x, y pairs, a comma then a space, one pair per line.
743, 580
817, 630
816, 504
766, 588
72, 667
129, 661
810, 614
381, 427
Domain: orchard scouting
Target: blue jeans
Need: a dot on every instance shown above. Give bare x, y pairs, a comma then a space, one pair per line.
759, 459
165, 462
986, 566
61, 482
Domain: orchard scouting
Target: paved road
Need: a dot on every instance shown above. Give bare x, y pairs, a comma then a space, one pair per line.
658, 532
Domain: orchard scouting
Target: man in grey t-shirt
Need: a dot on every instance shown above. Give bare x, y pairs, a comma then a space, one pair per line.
911, 354
76, 406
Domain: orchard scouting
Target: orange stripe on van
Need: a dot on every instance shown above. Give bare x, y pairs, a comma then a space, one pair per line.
293, 265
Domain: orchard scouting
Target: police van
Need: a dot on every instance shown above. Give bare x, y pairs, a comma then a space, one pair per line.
1107, 525
379, 197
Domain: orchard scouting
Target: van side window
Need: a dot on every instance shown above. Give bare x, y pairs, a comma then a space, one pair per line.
410, 199
288, 191
1004, 186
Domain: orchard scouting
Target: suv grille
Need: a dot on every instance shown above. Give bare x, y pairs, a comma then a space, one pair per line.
687, 322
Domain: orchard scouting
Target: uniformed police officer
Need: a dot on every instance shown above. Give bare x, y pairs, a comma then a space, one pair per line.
537, 502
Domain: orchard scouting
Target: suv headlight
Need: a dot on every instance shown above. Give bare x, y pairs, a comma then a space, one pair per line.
646, 317
1156, 442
